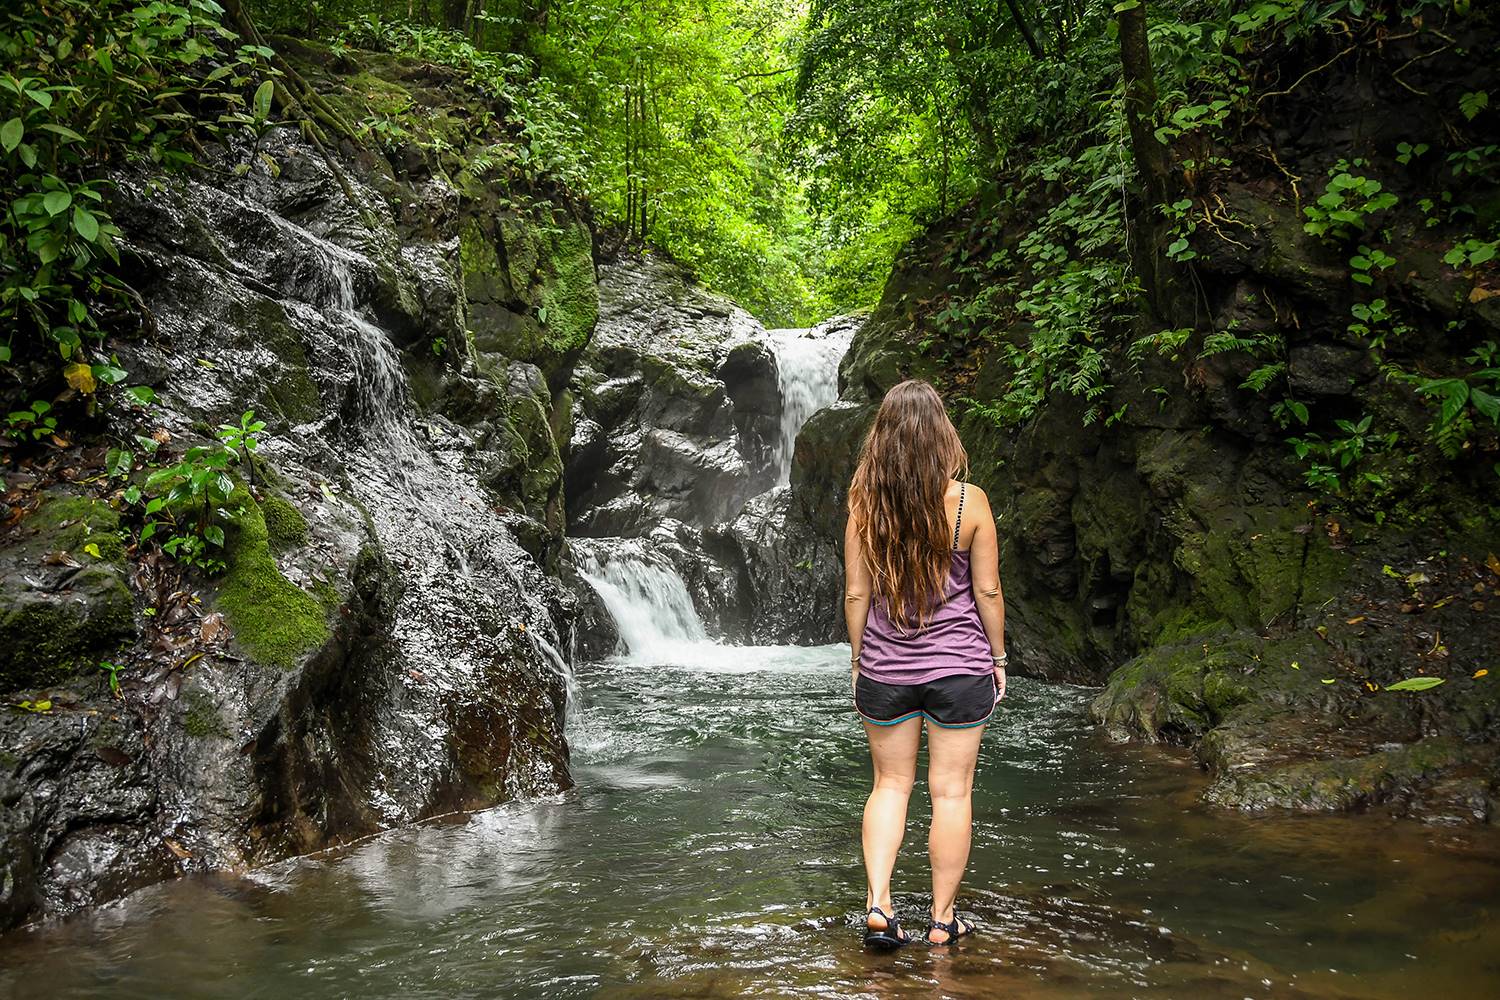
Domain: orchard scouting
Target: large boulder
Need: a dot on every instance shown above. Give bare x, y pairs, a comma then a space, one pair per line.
674, 403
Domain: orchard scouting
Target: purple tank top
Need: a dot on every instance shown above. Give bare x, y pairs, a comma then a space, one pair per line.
952, 642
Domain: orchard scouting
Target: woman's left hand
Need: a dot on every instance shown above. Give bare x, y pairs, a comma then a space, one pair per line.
999, 683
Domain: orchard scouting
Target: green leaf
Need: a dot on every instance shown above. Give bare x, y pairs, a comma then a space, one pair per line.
1415, 684
214, 534
11, 133
56, 202
63, 131
1485, 403
109, 374
85, 224
262, 102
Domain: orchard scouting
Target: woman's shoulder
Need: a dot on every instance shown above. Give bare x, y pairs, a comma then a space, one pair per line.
969, 490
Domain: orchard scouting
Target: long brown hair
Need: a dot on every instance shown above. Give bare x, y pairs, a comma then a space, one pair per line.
896, 499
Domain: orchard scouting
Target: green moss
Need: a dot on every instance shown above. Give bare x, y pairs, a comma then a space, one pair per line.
201, 717
286, 528
571, 296
71, 522
273, 619
327, 594
1177, 623
46, 641
484, 279
47, 636
379, 95
531, 290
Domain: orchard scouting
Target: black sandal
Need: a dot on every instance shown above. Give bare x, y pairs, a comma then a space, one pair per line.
887, 938
955, 930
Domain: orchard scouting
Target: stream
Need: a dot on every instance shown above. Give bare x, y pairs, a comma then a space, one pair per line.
710, 849
710, 846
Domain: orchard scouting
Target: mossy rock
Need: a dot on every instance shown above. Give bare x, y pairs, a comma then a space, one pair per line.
286, 528
273, 619
531, 289
570, 295
60, 615
1346, 783
201, 717
1179, 691
289, 389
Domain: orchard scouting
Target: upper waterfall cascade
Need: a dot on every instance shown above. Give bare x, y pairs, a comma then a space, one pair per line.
807, 372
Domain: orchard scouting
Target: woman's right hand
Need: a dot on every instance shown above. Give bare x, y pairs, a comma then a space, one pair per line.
999, 683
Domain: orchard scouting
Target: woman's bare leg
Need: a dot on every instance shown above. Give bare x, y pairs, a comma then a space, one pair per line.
950, 779
893, 749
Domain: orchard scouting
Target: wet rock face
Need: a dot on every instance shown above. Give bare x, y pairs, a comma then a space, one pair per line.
64, 599
676, 406
787, 544
385, 643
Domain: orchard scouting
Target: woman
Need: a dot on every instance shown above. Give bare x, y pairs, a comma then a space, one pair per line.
927, 629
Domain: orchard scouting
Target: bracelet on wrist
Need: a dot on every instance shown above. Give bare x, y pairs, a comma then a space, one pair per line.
1002, 660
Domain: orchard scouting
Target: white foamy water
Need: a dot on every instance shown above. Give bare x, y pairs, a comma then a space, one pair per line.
645, 595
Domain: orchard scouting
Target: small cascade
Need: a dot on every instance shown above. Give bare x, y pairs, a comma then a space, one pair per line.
807, 371
643, 592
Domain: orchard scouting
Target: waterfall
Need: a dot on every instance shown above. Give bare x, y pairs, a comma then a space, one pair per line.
643, 592
807, 372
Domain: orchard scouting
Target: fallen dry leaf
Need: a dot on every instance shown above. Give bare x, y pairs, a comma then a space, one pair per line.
212, 627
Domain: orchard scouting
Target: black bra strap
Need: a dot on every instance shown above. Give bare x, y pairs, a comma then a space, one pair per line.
959, 519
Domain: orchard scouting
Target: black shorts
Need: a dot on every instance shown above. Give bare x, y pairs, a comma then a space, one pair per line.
961, 701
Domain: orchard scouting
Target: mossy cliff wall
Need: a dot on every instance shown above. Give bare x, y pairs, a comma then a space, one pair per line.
380, 645
1170, 547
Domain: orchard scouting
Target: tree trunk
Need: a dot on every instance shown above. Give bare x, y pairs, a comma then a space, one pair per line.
1152, 158
1026, 33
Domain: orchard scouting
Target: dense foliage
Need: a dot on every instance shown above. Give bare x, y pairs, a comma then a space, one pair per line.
1098, 168
87, 86
83, 85
786, 152
666, 116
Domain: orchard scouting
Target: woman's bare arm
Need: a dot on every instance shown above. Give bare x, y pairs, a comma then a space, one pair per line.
984, 565
857, 587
